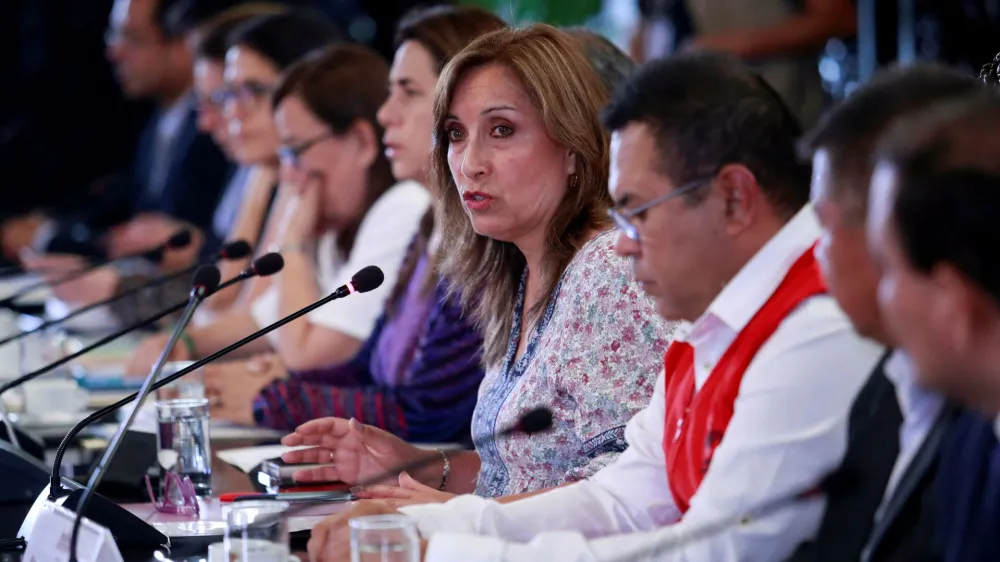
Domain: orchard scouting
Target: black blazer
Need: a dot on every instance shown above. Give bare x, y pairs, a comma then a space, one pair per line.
872, 448
906, 531
195, 179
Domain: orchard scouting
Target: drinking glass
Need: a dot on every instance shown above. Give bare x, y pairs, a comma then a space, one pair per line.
256, 531
183, 442
384, 538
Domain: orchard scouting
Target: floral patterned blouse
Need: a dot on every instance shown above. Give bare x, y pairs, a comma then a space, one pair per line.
593, 358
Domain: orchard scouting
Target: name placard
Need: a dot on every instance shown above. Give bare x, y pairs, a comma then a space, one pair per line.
50, 538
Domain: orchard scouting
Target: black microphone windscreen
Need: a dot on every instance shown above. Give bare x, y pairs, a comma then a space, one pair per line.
268, 264
369, 278
207, 277
180, 239
235, 250
536, 421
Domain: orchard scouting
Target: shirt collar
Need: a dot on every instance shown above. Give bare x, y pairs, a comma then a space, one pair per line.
754, 284
913, 400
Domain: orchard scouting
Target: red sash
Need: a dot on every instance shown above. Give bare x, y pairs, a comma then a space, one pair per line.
695, 423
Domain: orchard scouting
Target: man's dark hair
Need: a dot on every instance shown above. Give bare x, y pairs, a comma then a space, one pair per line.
212, 37
850, 131
707, 110
162, 18
947, 206
286, 37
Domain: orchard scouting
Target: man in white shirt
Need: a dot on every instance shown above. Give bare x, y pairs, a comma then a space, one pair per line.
712, 205
933, 213
892, 416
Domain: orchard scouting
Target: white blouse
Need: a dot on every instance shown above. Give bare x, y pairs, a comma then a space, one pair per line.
382, 240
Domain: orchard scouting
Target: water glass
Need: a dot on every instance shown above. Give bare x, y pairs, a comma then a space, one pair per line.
256, 531
384, 538
183, 442
191, 385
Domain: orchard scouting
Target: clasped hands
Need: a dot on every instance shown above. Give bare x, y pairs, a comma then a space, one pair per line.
359, 454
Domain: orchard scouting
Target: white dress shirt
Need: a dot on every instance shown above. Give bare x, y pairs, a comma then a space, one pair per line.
382, 240
788, 430
919, 408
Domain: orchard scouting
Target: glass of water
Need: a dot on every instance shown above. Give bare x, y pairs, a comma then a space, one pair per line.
384, 538
191, 385
183, 445
256, 531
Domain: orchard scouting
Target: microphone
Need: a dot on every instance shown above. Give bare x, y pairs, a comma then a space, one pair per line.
206, 281
20, 479
365, 280
231, 251
265, 265
844, 479
179, 239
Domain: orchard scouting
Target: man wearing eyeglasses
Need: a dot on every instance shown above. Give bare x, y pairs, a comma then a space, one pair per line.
177, 174
711, 202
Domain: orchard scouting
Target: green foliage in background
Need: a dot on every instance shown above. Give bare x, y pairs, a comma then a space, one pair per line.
554, 12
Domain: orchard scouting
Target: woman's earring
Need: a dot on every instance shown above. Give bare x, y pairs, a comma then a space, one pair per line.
574, 180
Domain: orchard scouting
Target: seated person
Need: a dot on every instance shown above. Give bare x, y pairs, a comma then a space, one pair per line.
519, 172
178, 173
712, 206
419, 371
344, 210
933, 210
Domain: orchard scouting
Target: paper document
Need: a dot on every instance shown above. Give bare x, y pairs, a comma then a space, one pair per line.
246, 458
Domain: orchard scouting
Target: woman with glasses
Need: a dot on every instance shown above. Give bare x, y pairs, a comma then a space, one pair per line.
418, 373
520, 171
339, 209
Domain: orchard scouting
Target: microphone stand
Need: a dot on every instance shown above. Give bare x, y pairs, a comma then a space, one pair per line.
55, 488
92, 306
197, 295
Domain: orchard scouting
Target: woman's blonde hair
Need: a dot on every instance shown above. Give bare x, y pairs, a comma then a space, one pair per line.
569, 95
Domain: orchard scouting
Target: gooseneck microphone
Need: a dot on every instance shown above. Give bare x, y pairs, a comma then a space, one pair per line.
232, 251
206, 281
367, 279
180, 239
267, 264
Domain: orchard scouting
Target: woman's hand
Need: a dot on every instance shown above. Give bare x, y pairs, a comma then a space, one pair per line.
331, 538
409, 492
232, 386
305, 208
149, 351
358, 452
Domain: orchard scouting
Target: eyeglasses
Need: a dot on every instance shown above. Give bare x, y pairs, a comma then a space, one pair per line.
179, 497
244, 94
623, 217
215, 99
292, 155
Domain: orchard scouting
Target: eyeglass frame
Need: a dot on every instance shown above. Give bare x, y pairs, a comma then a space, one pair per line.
246, 92
622, 217
293, 154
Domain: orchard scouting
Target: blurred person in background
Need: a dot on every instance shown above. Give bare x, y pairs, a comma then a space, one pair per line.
419, 371
932, 216
178, 173
204, 24
343, 212
54, 154
781, 39
520, 170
